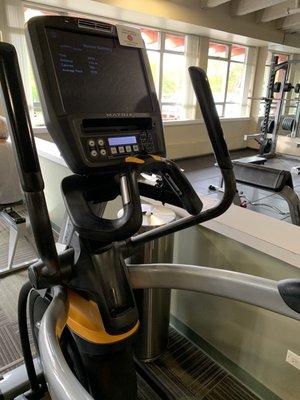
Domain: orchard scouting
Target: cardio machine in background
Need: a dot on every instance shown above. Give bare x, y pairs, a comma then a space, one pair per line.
101, 110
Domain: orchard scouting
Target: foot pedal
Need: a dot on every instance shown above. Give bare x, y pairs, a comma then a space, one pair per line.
14, 217
295, 170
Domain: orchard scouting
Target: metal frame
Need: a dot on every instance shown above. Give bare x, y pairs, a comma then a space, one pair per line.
248, 289
263, 136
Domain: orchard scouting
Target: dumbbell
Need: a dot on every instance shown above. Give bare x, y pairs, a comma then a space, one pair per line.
288, 124
287, 87
297, 88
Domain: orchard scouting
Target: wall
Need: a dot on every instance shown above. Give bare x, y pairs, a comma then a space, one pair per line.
256, 340
190, 139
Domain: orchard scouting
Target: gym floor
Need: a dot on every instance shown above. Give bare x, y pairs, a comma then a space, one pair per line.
185, 369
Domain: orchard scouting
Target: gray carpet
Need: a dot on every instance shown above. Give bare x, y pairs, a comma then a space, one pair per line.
189, 374
10, 350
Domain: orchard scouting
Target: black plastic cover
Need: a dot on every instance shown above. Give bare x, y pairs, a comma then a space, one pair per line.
289, 290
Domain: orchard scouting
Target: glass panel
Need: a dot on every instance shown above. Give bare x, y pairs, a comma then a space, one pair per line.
219, 108
151, 38
266, 81
154, 59
238, 53
172, 112
233, 110
36, 113
218, 50
236, 83
282, 57
31, 12
173, 78
174, 43
217, 72
237, 110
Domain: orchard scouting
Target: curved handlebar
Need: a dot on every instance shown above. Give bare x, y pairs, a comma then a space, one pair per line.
205, 99
77, 189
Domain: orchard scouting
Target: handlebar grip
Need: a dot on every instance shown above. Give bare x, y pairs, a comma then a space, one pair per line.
206, 102
79, 190
185, 191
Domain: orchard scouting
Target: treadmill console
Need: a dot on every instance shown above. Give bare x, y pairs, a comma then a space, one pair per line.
97, 95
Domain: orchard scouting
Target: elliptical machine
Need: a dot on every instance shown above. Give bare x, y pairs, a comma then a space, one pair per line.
101, 110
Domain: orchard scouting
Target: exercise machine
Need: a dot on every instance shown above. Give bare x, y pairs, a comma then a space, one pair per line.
269, 129
101, 110
251, 171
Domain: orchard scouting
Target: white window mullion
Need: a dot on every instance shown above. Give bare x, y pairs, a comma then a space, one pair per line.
161, 66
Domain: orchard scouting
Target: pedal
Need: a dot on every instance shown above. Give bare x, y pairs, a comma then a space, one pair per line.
295, 170
14, 217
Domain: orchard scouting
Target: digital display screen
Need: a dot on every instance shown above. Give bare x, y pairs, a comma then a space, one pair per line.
97, 75
119, 141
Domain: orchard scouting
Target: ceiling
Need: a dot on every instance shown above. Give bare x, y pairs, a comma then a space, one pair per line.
285, 13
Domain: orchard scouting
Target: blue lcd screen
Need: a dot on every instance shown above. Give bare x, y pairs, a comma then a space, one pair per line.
119, 141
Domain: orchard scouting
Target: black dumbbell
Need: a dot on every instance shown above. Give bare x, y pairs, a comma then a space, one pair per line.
297, 88
287, 87
288, 123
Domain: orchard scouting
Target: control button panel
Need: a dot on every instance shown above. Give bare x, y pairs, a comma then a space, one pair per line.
110, 146
147, 142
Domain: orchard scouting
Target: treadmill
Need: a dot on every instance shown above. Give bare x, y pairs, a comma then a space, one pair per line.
101, 109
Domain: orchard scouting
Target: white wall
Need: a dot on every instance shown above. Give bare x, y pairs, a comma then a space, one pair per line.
191, 139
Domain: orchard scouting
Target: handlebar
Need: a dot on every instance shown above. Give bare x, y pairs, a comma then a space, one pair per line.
27, 159
206, 102
53, 269
207, 105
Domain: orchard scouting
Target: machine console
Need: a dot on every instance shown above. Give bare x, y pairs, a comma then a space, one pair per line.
97, 94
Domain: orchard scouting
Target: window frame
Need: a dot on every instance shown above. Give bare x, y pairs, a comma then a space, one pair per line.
161, 51
229, 61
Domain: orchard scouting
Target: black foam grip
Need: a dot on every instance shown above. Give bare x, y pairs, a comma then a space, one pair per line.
289, 290
206, 102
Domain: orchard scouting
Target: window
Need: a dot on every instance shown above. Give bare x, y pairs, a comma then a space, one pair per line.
166, 53
35, 107
231, 78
